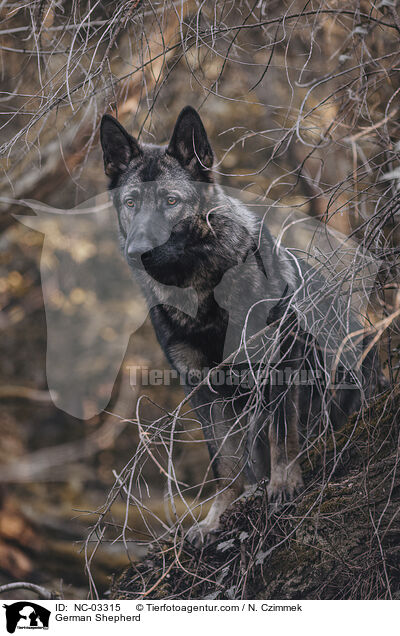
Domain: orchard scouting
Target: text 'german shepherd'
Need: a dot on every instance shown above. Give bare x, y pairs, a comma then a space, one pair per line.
179, 229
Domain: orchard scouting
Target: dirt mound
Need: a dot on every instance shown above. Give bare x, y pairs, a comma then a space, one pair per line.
339, 540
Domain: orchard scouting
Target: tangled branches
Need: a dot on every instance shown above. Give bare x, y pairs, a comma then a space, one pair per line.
302, 101
340, 540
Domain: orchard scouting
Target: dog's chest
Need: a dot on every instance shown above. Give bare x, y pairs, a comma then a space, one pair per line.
191, 342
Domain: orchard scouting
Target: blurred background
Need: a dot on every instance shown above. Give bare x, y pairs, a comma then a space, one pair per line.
301, 104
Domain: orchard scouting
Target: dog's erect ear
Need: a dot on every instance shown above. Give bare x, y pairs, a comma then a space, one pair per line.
118, 146
189, 144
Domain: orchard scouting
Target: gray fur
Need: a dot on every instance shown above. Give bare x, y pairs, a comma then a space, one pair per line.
213, 244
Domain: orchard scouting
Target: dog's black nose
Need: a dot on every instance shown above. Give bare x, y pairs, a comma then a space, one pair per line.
135, 249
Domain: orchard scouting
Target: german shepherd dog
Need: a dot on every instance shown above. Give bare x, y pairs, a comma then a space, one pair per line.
179, 229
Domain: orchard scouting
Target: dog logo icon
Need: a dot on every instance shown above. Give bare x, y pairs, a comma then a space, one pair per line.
26, 615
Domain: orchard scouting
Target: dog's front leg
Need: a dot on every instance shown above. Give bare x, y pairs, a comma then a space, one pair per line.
283, 433
226, 441
285, 477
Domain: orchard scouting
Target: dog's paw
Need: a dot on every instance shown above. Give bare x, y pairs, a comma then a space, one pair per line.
202, 533
285, 483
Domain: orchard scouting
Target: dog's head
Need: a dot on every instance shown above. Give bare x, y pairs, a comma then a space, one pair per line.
156, 188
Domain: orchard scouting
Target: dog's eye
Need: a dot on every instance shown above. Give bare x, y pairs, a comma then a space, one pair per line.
130, 203
171, 200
